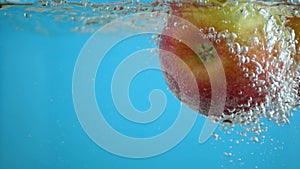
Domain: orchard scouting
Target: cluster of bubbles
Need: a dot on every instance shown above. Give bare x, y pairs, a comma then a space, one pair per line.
89, 16
244, 137
280, 83
86, 16
281, 79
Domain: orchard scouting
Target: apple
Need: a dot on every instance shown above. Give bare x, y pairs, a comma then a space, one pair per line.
249, 40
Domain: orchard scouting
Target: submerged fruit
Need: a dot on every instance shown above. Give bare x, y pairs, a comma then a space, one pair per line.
249, 39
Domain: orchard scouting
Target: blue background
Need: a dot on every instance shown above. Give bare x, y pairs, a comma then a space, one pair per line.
38, 124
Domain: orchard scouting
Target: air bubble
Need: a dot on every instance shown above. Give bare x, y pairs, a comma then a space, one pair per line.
244, 49
231, 110
175, 24
253, 76
216, 136
253, 41
242, 59
228, 154
231, 50
244, 69
247, 60
258, 67
254, 139
231, 36
26, 15
237, 48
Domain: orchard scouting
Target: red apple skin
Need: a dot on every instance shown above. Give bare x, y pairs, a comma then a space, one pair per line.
242, 95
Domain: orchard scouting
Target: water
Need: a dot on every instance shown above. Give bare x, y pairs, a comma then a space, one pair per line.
39, 126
